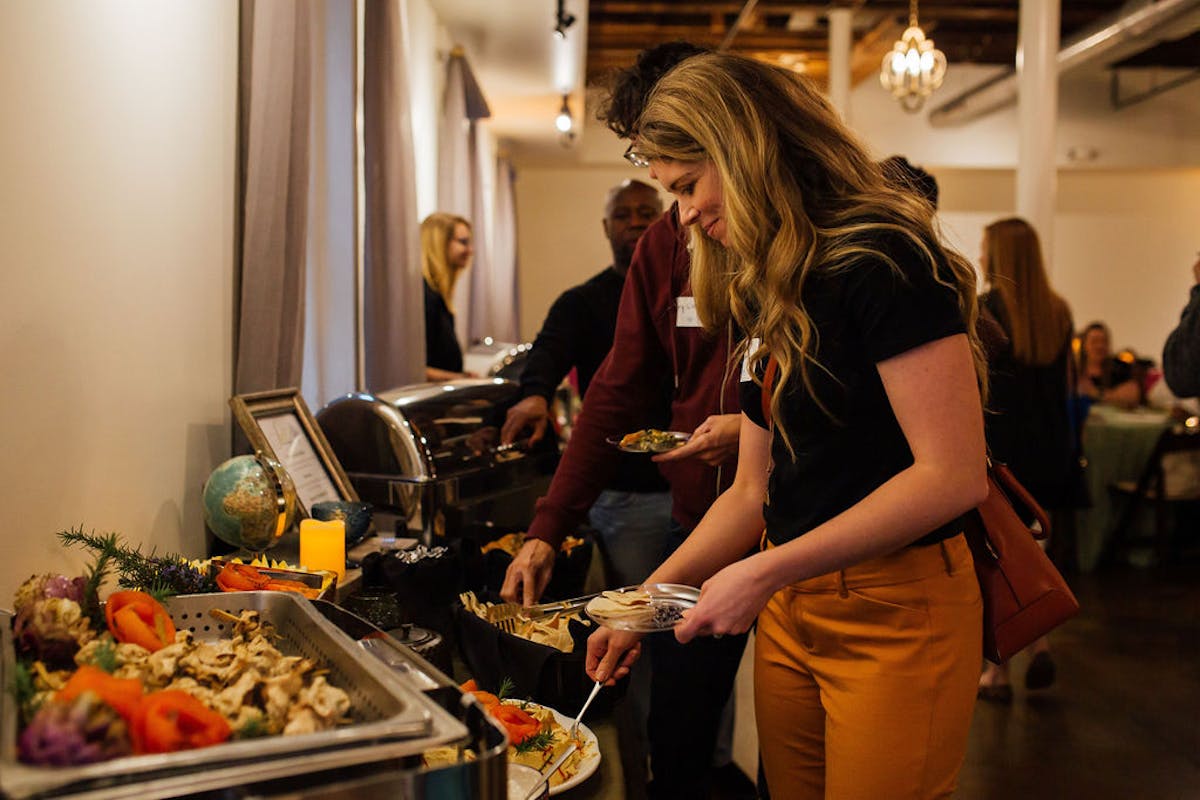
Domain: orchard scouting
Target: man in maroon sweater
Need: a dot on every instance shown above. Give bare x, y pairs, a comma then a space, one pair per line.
657, 333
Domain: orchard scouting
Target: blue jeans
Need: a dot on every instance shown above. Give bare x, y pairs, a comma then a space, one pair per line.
632, 528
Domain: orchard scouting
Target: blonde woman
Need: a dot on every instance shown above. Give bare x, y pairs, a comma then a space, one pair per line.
1029, 427
445, 254
868, 645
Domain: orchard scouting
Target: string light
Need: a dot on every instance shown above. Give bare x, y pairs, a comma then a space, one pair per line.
564, 122
913, 68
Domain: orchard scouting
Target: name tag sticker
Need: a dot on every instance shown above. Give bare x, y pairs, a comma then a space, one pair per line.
685, 313
754, 343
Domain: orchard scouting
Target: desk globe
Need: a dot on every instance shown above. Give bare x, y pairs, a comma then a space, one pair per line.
249, 502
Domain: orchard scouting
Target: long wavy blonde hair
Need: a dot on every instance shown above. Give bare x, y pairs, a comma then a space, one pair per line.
436, 232
801, 196
1037, 319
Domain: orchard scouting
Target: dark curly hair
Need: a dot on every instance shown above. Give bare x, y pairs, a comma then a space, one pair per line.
628, 88
907, 175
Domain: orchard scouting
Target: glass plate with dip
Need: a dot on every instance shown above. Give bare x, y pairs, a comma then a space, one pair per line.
643, 609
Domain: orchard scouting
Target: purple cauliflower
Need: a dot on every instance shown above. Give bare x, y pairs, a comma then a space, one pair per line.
50, 624
67, 734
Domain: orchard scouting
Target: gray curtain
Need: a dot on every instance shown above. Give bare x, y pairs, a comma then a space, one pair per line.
273, 128
394, 313
493, 307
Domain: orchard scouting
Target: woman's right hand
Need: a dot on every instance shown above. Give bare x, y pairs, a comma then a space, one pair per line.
610, 654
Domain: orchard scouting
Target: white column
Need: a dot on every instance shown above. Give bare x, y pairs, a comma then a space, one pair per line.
840, 38
1037, 114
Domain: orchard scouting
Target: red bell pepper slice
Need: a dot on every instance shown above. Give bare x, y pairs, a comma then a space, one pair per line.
172, 720
137, 618
123, 694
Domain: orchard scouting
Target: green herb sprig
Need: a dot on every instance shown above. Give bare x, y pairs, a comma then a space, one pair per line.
160, 576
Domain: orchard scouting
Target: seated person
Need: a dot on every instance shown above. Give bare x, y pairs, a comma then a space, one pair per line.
1103, 378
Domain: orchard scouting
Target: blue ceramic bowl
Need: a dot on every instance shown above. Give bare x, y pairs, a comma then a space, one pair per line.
356, 515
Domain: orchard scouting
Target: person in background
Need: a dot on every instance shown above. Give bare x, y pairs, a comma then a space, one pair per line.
632, 516
1028, 424
1103, 378
657, 334
1181, 353
861, 446
445, 254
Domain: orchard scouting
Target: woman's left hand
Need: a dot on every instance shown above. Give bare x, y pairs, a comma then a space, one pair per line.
729, 601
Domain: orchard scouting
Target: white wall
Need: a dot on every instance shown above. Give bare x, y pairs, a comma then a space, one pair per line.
116, 223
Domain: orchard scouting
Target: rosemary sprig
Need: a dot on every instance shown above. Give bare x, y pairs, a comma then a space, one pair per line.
161, 576
539, 741
506, 688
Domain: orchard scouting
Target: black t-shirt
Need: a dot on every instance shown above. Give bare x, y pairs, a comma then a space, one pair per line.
442, 349
863, 314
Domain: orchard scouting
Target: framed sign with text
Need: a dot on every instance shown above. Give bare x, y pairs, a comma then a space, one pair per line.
279, 424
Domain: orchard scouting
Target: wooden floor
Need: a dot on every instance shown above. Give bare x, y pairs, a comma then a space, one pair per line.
1121, 723
1123, 720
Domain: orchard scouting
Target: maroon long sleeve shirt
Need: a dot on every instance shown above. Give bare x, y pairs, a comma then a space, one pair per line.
653, 338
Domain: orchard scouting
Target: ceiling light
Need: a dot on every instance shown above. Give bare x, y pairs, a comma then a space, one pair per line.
564, 122
914, 67
562, 20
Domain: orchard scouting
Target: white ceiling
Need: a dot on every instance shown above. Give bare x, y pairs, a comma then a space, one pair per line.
522, 67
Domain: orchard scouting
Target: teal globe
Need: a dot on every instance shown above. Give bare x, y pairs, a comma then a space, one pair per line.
249, 502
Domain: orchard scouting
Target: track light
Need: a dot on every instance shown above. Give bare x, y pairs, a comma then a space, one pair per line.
562, 20
564, 122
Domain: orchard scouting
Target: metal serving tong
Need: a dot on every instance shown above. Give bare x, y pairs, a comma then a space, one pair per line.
507, 616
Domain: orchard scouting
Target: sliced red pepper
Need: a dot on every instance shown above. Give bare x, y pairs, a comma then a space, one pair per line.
123, 694
137, 618
519, 723
173, 720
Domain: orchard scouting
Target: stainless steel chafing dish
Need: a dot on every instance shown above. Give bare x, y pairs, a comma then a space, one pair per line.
398, 714
432, 453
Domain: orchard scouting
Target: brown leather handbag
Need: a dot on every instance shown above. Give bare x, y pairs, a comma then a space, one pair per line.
1024, 595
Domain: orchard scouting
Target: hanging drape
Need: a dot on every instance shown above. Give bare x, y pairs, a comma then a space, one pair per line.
493, 296
393, 325
463, 104
273, 129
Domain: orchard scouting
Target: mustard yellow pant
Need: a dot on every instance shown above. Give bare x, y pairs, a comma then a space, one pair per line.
865, 679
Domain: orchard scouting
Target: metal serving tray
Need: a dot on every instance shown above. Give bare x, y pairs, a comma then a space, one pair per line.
391, 718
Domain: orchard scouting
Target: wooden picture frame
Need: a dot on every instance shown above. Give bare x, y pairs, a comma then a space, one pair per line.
279, 425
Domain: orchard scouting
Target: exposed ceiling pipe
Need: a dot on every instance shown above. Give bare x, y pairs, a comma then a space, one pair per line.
1134, 22
742, 17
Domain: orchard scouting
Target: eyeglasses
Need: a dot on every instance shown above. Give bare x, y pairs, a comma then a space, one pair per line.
634, 157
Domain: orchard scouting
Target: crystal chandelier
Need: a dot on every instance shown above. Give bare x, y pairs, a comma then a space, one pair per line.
913, 68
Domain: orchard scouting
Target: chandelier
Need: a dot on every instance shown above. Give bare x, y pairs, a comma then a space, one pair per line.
914, 67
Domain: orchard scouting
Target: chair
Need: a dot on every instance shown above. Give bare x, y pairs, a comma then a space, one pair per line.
1155, 487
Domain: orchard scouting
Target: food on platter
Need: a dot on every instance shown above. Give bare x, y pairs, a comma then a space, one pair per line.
236, 577
654, 607
511, 543
651, 440
537, 738
552, 630
96, 682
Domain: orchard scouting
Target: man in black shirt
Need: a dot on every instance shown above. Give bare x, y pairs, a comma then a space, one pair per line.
632, 517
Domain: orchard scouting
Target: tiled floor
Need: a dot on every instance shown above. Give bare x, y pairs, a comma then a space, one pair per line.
1123, 720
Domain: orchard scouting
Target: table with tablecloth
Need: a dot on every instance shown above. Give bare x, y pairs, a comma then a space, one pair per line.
1117, 445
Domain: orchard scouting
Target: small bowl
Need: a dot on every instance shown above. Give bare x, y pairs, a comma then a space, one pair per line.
356, 515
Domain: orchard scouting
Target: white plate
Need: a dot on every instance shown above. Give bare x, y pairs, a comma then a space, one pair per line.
667, 602
679, 439
591, 750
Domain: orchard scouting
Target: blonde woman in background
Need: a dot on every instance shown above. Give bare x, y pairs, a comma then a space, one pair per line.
445, 254
868, 645
1028, 427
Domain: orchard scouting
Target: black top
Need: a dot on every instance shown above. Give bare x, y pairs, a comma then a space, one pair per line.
863, 315
1181, 354
578, 332
1028, 422
441, 342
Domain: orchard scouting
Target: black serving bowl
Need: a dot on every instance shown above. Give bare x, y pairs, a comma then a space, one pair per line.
356, 515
